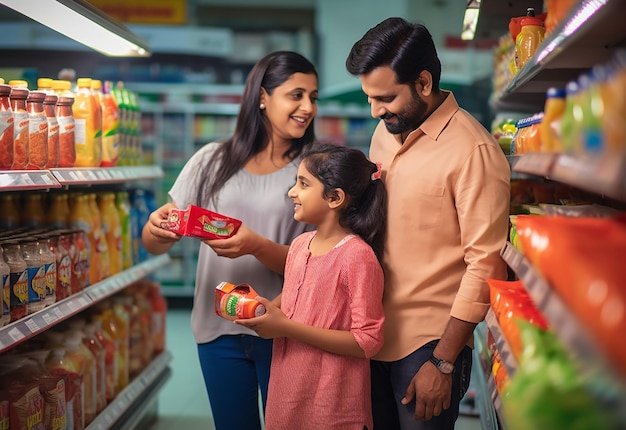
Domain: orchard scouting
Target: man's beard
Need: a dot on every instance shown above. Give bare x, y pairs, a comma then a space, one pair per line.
409, 119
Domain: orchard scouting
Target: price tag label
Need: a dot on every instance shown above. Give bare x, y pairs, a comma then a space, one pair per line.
73, 174
57, 311
16, 334
32, 326
49, 317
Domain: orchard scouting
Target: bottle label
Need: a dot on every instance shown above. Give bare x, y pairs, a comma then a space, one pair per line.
65, 272
36, 284
19, 289
6, 297
50, 278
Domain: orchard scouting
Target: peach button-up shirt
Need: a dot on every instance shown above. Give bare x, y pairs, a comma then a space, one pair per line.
448, 196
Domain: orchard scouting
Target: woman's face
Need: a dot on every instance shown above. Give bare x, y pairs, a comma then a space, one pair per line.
291, 107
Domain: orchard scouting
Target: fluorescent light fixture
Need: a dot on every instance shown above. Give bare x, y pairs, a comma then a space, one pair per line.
84, 23
470, 20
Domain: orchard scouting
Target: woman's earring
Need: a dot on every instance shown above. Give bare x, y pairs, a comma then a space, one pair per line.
262, 106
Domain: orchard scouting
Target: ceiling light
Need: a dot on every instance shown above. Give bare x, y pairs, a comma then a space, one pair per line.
84, 23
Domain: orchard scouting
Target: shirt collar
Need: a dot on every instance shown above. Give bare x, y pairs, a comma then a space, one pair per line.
437, 121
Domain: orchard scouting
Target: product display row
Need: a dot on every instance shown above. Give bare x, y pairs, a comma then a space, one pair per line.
545, 356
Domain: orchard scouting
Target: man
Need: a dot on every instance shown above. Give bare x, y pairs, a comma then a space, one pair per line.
448, 189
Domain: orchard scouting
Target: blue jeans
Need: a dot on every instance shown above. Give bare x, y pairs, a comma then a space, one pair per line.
234, 368
391, 379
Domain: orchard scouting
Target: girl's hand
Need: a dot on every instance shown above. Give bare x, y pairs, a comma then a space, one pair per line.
244, 242
272, 324
157, 220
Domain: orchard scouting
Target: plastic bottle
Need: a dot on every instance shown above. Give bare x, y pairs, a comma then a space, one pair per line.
18, 280
5, 273
32, 213
50, 268
88, 126
80, 274
100, 252
117, 327
58, 211
112, 230
76, 349
613, 90
80, 220
109, 346
571, 123
10, 214
49, 106
65, 250
121, 99
72, 367
38, 131
98, 350
36, 275
65, 118
7, 130
122, 203
551, 123
139, 215
159, 315
529, 38
592, 103
110, 127
135, 130
21, 379
20, 127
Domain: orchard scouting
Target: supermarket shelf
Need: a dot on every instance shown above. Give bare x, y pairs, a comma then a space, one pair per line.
605, 174
128, 403
495, 15
606, 384
506, 354
588, 36
17, 180
14, 180
108, 175
33, 324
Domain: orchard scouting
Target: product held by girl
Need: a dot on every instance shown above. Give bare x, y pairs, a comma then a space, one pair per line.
235, 302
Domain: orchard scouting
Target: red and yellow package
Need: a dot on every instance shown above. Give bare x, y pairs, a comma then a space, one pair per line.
583, 261
237, 301
201, 223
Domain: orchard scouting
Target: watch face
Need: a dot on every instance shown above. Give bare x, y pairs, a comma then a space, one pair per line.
446, 367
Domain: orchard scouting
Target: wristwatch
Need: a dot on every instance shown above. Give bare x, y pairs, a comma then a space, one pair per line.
444, 366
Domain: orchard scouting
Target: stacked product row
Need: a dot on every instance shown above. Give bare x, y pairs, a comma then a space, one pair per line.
92, 125
82, 239
64, 377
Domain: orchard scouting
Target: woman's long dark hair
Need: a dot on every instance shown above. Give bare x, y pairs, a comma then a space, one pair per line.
253, 128
365, 213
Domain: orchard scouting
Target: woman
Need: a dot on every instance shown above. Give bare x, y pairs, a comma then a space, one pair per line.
247, 177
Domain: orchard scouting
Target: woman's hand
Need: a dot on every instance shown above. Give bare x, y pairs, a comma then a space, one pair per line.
244, 242
272, 324
155, 238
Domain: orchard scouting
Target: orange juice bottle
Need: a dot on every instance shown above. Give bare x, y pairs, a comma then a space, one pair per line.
32, 212
91, 341
37, 131
76, 349
112, 230
110, 127
21, 125
88, 125
7, 129
614, 96
551, 123
529, 38
159, 315
10, 214
122, 204
65, 119
110, 350
49, 105
96, 274
80, 220
115, 322
58, 211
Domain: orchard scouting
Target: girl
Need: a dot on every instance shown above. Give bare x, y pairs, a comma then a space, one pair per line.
246, 177
329, 319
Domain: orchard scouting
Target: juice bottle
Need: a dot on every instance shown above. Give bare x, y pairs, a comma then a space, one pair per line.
551, 123
21, 381
18, 279
122, 204
58, 211
110, 127
593, 111
529, 38
49, 261
88, 125
65, 249
49, 106
101, 251
121, 99
32, 212
140, 293
110, 365
72, 367
36, 275
117, 327
5, 272
38, 131
77, 350
139, 217
81, 222
7, 129
10, 214
135, 130
65, 118
159, 314
20, 128
614, 96
97, 349
572, 118
112, 230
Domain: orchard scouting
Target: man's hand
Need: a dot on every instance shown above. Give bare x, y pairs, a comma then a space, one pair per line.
433, 390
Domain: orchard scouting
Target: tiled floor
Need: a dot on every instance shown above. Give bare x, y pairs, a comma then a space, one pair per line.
183, 402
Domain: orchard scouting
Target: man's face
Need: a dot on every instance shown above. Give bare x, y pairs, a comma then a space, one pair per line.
399, 105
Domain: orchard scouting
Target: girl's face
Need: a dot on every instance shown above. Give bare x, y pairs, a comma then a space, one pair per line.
291, 107
307, 194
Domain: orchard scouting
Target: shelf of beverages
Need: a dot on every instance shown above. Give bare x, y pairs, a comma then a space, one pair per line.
139, 391
35, 323
16, 180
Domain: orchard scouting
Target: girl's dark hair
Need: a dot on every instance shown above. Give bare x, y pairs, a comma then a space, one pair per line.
347, 168
406, 47
253, 128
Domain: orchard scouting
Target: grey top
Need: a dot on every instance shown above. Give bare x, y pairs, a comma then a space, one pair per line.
261, 203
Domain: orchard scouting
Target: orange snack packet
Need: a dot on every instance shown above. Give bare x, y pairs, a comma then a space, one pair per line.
235, 302
201, 223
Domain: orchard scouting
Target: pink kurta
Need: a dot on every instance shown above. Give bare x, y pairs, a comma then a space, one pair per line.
310, 388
